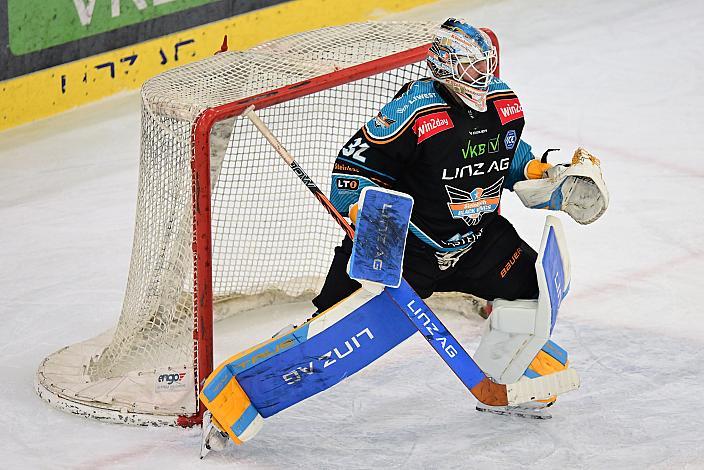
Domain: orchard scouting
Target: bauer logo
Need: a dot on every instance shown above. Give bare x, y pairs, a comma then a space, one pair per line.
509, 110
170, 380
432, 124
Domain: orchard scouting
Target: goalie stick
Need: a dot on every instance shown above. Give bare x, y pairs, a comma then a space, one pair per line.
460, 362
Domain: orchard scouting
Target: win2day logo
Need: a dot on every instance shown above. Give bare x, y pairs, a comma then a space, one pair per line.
509, 110
431, 124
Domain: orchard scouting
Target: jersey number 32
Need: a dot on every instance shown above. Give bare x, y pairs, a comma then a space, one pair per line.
355, 149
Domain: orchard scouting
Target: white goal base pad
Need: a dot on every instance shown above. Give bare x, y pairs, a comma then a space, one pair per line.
164, 394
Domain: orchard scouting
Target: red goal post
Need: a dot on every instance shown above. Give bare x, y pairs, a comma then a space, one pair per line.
190, 119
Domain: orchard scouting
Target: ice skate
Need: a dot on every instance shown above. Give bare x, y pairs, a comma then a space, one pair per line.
212, 438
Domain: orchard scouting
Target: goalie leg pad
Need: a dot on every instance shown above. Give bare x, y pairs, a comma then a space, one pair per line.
289, 368
332, 346
509, 340
517, 330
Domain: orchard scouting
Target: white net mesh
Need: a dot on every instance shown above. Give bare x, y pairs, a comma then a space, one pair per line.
270, 237
268, 232
187, 90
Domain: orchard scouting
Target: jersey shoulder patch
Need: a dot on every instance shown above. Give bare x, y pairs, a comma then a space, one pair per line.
398, 114
502, 98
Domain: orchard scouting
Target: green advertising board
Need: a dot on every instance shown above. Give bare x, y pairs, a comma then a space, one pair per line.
39, 24
59, 54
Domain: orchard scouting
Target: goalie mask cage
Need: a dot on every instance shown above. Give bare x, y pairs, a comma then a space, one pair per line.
222, 224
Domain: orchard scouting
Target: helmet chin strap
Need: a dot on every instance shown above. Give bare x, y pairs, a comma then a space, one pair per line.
478, 104
475, 105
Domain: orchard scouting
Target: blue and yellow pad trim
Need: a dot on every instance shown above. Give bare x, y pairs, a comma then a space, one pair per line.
231, 408
550, 359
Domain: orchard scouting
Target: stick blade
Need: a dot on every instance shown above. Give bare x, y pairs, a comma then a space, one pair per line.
542, 388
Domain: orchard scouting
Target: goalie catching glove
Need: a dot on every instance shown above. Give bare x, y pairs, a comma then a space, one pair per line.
577, 188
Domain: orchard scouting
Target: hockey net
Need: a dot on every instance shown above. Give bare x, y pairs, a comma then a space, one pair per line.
222, 225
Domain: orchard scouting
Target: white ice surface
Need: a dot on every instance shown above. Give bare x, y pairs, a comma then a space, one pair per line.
619, 77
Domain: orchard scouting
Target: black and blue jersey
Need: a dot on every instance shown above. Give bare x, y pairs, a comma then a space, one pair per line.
453, 160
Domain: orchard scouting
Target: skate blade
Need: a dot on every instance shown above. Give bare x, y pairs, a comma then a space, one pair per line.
515, 411
204, 449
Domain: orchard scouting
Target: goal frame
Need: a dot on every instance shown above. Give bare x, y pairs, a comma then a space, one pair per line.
201, 192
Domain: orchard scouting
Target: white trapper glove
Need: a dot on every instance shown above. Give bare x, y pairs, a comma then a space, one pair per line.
577, 188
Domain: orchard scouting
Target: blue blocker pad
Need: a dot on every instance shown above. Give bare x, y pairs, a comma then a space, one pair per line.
322, 352
380, 236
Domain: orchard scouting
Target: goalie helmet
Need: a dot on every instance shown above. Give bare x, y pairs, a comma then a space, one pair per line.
463, 58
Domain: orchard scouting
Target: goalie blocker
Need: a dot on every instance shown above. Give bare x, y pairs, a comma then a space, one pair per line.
382, 218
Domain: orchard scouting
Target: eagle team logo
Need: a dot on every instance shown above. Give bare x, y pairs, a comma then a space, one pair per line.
470, 206
383, 121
